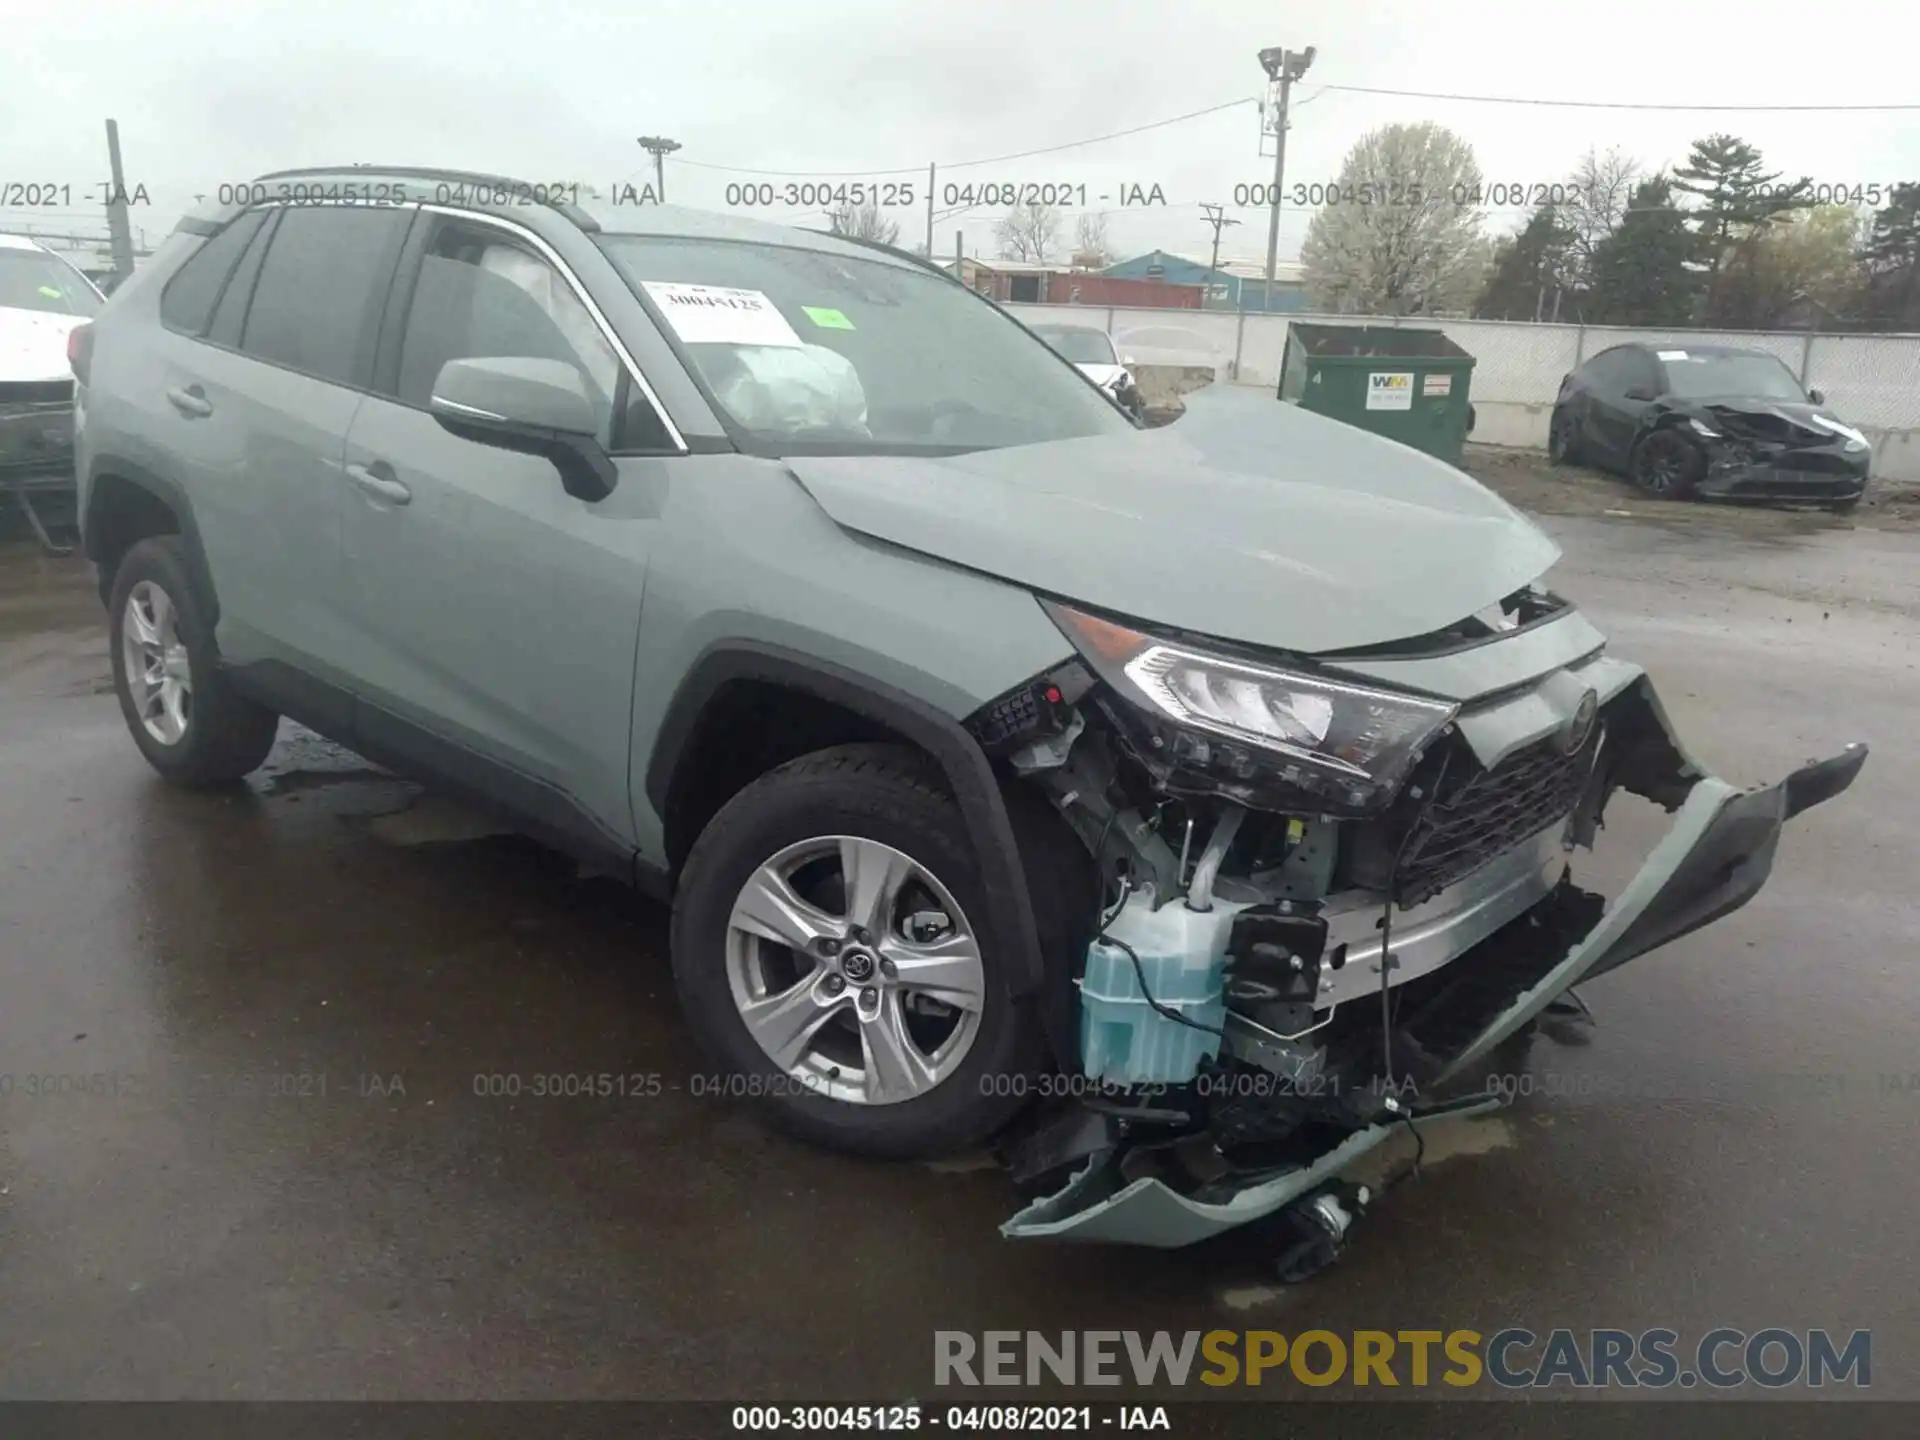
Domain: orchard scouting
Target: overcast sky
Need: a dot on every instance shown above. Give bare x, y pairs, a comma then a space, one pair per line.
561, 91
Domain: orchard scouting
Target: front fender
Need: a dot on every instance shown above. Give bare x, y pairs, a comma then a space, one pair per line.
965, 765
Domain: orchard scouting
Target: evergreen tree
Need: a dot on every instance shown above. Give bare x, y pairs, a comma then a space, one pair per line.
1892, 259
1640, 274
1738, 197
1532, 268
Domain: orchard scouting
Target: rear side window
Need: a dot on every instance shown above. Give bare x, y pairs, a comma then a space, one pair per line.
187, 302
1611, 370
316, 306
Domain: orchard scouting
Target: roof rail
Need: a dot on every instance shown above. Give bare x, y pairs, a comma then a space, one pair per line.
464, 177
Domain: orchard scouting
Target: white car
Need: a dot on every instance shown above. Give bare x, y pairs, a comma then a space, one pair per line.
1172, 345
42, 298
1091, 351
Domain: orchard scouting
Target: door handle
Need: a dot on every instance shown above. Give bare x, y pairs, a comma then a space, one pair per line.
382, 487
190, 402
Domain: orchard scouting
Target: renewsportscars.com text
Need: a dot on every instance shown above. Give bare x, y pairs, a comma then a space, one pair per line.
1512, 1358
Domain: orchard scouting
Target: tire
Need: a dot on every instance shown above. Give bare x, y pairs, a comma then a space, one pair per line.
1563, 446
1667, 465
881, 798
202, 733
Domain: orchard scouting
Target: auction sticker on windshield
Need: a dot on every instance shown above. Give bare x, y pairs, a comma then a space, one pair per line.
1392, 390
716, 315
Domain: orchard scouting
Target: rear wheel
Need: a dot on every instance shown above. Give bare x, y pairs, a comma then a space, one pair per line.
1668, 465
183, 713
829, 949
1563, 445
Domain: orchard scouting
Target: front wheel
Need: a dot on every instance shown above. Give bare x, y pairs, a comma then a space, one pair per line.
1668, 465
829, 950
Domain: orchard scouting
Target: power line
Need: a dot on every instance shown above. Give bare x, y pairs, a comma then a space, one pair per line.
989, 160
1612, 104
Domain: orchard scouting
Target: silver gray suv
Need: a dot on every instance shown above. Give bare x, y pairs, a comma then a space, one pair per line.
1184, 808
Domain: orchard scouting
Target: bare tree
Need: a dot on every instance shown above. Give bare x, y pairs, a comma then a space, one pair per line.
864, 222
1401, 235
1599, 189
1091, 244
1028, 232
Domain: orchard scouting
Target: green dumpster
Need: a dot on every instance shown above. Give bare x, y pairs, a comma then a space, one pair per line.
1409, 385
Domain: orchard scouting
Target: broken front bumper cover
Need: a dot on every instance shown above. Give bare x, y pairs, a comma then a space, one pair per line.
1715, 857
1784, 477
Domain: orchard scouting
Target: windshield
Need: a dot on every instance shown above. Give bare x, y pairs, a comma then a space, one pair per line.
36, 280
815, 353
1699, 377
1078, 344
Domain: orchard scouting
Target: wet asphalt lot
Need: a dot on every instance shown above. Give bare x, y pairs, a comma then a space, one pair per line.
1735, 1147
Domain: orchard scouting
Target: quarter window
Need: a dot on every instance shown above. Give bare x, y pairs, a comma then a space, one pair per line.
187, 302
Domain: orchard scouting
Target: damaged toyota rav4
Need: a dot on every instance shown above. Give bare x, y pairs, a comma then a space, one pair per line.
1183, 810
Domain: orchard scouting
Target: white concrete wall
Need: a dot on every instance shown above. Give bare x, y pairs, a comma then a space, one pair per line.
1872, 381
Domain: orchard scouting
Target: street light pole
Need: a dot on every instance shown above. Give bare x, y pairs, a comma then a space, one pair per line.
659, 146
1285, 67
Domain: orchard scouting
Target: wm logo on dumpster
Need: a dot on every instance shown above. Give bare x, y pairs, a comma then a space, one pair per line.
1390, 390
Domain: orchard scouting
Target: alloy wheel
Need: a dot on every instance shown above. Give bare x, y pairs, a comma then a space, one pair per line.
1661, 465
854, 970
159, 679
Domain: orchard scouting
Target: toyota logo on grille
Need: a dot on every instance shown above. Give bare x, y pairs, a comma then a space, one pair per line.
1581, 725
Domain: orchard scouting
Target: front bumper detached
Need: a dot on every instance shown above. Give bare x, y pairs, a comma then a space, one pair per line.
1715, 857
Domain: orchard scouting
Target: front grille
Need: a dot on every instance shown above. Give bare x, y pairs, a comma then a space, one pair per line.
1487, 813
36, 392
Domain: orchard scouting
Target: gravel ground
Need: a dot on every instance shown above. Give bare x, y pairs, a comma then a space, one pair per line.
1525, 479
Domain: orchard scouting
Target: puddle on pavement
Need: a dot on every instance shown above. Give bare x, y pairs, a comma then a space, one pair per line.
429, 819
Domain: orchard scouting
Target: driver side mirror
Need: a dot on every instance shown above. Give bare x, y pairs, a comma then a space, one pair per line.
1640, 392
531, 407
1817, 397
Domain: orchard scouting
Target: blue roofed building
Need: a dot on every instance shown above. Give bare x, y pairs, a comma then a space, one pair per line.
1233, 285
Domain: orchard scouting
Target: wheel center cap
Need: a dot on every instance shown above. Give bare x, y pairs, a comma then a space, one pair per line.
856, 965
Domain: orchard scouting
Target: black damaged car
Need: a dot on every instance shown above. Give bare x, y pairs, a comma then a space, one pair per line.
1711, 420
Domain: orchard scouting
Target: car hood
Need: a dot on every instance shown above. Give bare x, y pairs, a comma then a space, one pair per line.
1787, 420
33, 344
1247, 519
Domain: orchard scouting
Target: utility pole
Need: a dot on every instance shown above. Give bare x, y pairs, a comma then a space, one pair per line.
1283, 67
119, 232
930, 169
659, 147
1217, 218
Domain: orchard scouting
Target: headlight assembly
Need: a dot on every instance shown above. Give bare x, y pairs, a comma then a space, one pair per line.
1350, 747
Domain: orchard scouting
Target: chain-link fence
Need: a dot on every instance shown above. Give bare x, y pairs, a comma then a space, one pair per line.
1873, 381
